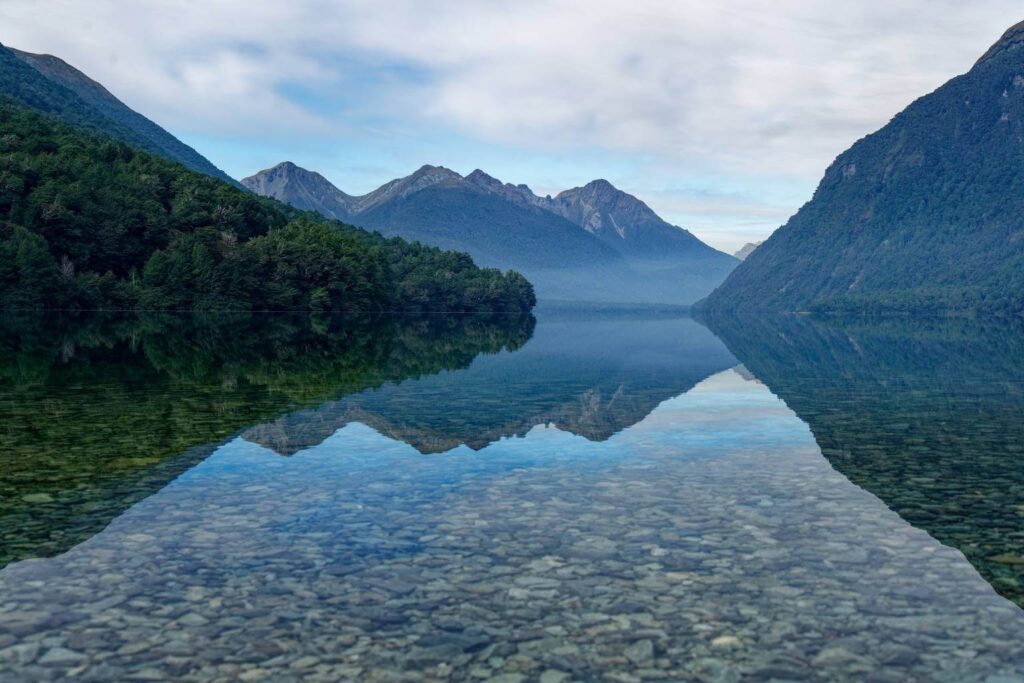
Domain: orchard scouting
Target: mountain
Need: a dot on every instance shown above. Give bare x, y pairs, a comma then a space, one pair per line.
302, 189
87, 223
438, 207
626, 223
923, 215
51, 86
593, 243
747, 249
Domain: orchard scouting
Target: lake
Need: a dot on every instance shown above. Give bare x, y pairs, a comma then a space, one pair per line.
577, 496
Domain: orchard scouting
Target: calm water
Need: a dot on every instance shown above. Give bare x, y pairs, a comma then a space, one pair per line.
579, 497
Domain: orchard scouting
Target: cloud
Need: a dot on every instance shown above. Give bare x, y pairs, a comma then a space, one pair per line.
747, 88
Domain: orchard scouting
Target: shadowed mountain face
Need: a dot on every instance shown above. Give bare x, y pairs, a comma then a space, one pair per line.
593, 243
52, 86
592, 377
97, 415
929, 417
923, 215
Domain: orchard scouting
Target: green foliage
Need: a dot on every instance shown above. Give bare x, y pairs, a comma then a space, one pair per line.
424, 275
89, 222
28, 274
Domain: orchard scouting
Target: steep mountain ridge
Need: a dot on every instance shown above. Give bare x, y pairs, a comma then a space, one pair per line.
53, 87
924, 215
593, 243
1013, 39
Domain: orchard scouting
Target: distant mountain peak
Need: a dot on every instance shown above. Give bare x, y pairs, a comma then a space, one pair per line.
520, 194
606, 194
479, 177
747, 249
603, 209
303, 189
1011, 40
601, 185
424, 177
434, 171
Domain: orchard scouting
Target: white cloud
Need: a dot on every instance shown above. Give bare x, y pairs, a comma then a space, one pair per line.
755, 88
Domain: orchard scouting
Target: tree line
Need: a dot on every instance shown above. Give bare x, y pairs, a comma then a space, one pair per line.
88, 222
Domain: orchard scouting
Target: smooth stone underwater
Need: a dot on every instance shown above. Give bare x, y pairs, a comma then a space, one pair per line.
709, 541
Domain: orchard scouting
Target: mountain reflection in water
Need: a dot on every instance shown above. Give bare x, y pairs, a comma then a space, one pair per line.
474, 498
590, 377
97, 414
926, 415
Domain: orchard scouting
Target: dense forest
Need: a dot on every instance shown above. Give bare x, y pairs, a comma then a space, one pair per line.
924, 216
88, 222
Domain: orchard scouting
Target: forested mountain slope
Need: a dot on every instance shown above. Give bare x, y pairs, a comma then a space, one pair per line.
89, 222
51, 86
925, 215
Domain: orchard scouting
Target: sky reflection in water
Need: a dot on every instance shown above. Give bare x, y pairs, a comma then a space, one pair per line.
659, 515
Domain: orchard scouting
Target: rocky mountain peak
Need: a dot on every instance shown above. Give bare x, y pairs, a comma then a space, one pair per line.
1011, 40
435, 173
602, 186
600, 207
482, 179
285, 168
284, 172
747, 249
307, 190
602, 195
424, 177
520, 194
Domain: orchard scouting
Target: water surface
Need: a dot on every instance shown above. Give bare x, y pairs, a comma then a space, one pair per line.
475, 499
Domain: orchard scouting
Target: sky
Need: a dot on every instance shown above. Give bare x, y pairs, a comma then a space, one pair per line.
722, 115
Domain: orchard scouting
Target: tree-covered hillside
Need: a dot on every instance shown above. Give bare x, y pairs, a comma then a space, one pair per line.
51, 86
90, 222
926, 215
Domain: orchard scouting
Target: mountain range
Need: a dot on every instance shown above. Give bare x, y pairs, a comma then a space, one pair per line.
51, 86
591, 243
924, 215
